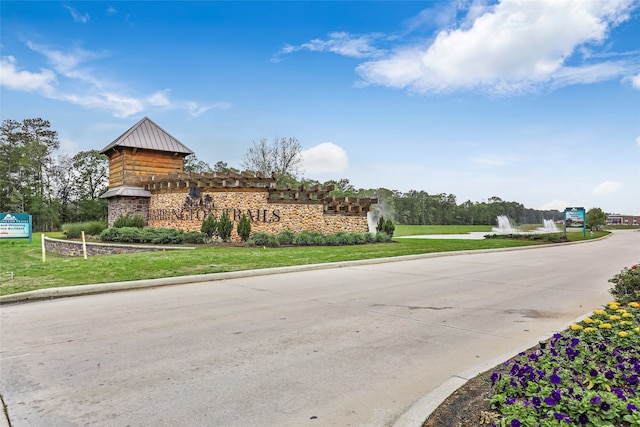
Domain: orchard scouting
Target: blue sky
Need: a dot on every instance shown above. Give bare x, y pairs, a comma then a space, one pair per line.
534, 101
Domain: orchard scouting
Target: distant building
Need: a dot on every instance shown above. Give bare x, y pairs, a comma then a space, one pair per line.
617, 219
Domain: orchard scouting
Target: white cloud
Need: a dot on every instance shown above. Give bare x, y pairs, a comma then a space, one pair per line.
15, 79
80, 85
77, 16
117, 104
326, 157
513, 47
638, 141
159, 99
341, 43
635, 81
606, 187
555, 204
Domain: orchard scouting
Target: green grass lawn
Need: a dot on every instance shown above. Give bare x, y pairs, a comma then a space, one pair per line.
24, 260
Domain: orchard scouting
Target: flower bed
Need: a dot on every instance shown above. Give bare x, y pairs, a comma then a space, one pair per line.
586, 376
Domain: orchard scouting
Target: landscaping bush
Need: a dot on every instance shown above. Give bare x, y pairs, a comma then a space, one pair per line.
127, 220
244, 228
91, 228
359, 238
151, 235
389, 227
309, 238
332, 240
344, 238
382, 237
626, 285
286, 237
225, 227
263, 239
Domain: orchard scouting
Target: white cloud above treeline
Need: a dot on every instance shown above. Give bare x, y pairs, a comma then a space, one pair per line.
512, 47
324, 158
606, 187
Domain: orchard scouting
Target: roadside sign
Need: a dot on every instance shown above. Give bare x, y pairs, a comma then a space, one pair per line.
15, 226
575, 218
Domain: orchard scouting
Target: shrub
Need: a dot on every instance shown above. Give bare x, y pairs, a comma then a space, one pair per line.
626, 284
244, 227
332, 240
286, 237
209, 226
127, 220
225, 227
92, 228
344, 238
151, 235
380, 225
382, 237
359, 238
389, 227
263, 239
309, 238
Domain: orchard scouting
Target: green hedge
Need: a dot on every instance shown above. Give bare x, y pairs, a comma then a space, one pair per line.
314, 238
91, 228
151, 235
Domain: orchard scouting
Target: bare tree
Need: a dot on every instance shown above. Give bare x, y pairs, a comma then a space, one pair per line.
282, 156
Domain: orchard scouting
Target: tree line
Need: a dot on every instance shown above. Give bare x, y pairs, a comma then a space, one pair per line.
59, 189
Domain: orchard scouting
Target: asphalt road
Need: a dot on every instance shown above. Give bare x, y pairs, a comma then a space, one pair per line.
351, 346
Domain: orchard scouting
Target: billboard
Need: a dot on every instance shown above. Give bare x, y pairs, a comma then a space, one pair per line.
15, 226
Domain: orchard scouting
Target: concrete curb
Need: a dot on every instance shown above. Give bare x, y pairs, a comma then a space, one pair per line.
420, 411
78, 290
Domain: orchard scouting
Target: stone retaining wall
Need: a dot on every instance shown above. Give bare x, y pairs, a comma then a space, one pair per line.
72, 248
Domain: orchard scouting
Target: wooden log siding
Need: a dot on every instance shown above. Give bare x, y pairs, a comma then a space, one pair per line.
127, 165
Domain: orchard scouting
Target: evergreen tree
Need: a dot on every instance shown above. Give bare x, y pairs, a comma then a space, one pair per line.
244, 228
225, 226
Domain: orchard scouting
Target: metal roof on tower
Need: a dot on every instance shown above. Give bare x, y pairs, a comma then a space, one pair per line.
149, 136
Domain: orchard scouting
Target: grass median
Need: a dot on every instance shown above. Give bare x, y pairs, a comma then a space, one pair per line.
22, 268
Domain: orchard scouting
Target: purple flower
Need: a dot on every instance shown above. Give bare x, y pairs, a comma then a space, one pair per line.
631, 407
556, 394
609, 375
593, 373
555, 379
605, 406
562, 417
536, 401
515, 422
495, 377
510, 400
583, 419
550, 401
596, 399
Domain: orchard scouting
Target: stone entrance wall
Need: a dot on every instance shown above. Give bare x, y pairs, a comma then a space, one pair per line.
182, 211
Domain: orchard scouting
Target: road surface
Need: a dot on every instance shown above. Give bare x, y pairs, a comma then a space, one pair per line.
351, 346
